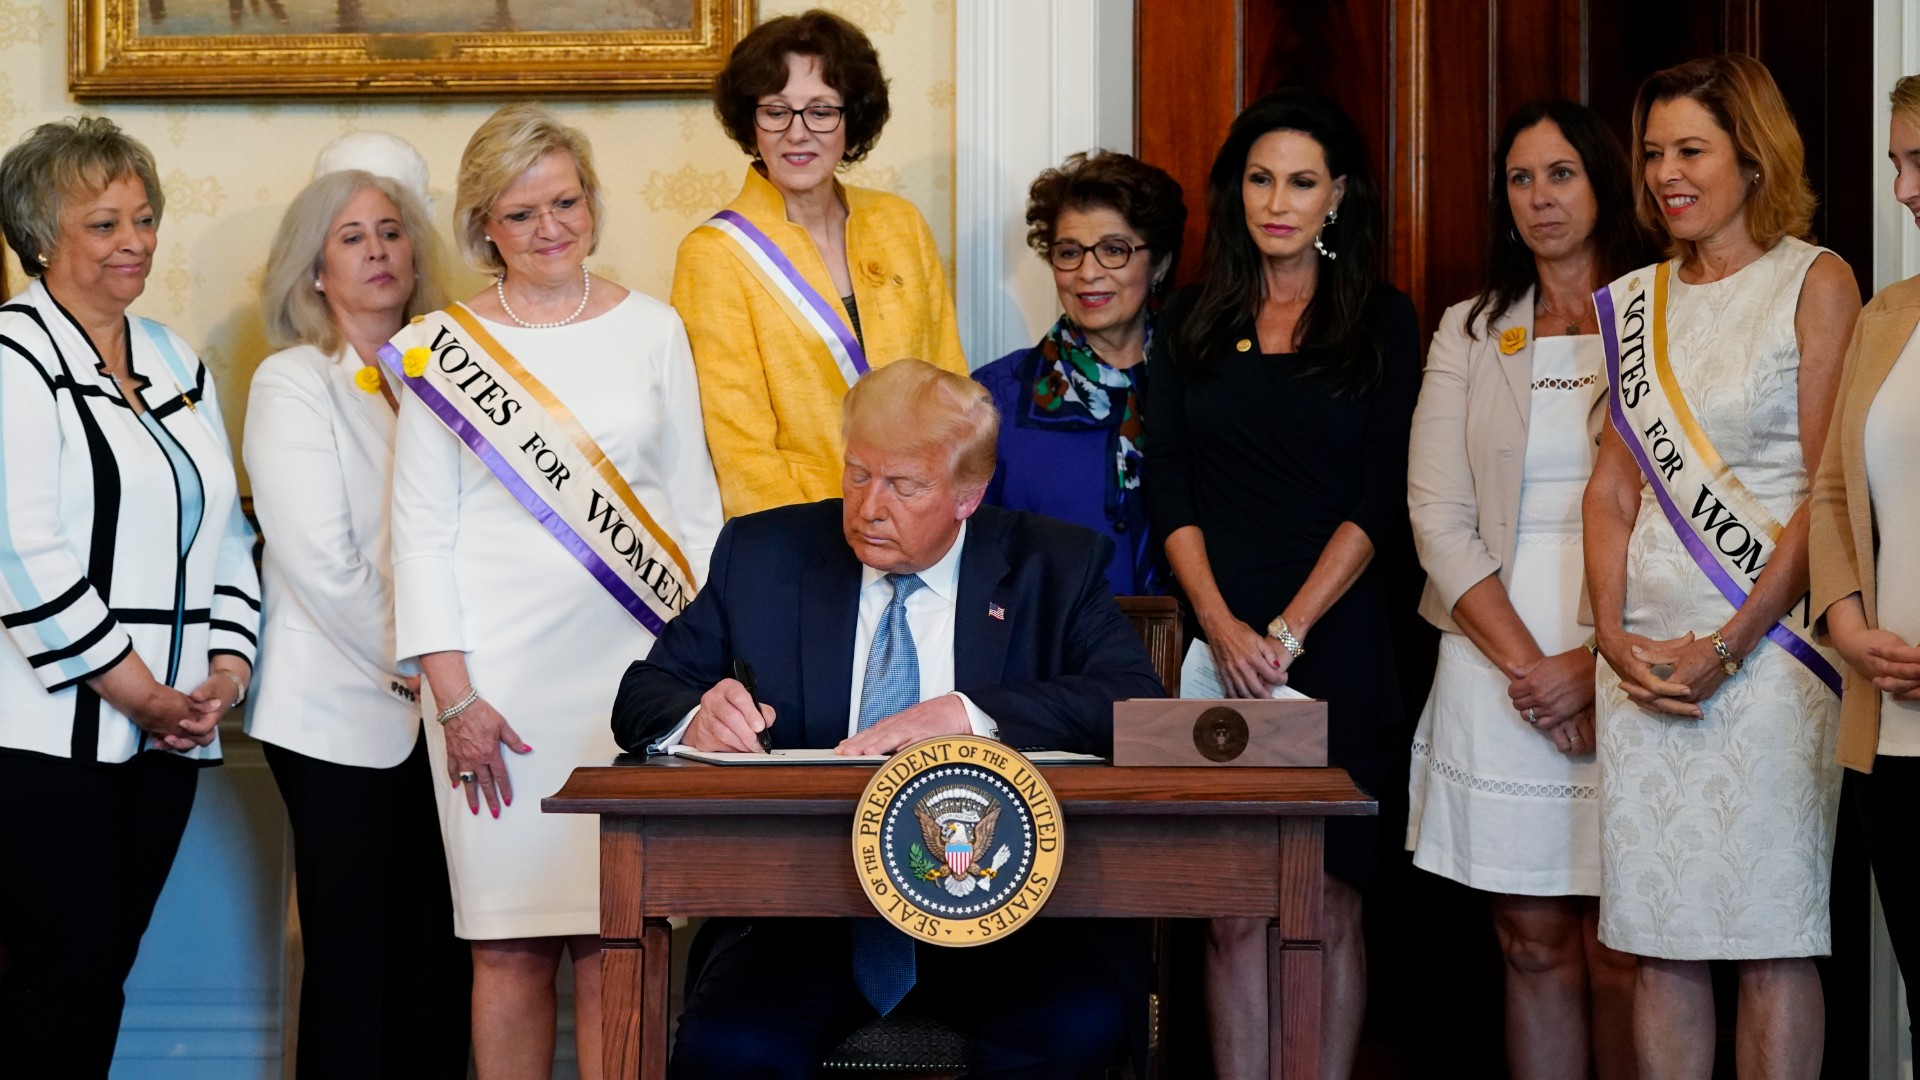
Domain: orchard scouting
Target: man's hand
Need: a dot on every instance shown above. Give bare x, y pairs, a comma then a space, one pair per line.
726, 720
944, 715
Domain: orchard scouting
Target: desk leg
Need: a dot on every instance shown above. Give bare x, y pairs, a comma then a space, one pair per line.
1293, 954
634, 1004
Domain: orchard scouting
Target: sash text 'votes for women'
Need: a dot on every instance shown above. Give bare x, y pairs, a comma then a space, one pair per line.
497, 403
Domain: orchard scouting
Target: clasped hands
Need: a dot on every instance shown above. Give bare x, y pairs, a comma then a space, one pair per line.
1695, 671
1555, 695
1886, 658
726, 720
181, 722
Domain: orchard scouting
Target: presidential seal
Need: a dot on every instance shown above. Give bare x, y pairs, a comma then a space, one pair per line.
1220, 734
957, 840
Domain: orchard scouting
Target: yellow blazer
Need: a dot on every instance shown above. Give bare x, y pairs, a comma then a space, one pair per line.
1840, 539
771, 406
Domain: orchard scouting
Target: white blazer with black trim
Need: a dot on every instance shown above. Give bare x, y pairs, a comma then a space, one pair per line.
91, 532
319, 451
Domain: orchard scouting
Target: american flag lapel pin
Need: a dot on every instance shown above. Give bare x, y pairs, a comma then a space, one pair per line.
995, 611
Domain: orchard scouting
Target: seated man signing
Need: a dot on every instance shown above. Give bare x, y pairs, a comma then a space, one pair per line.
902, 611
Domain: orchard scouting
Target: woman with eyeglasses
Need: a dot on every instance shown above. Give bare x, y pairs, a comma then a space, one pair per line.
802, 284
549, 437
1072, 431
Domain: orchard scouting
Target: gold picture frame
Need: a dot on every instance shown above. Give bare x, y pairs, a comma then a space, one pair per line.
160, 49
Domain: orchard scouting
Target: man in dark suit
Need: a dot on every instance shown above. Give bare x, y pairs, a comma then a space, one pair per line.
903, 611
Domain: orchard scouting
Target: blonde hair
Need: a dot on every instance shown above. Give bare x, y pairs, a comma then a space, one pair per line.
1906, 99
295, 312
1744, 100
62, 160
508, 143
911, 405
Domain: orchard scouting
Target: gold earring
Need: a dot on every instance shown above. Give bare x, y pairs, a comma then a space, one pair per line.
42, 259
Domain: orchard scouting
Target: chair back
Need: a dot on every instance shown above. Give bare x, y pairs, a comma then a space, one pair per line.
1157, 620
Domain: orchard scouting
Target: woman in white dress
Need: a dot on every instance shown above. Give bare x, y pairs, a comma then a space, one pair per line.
1504, 791
1716, 722
519, 643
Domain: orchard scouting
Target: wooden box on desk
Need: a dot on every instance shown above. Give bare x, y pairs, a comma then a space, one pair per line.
1219, 731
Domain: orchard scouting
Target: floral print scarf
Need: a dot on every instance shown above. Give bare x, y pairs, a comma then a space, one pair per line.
1076, 390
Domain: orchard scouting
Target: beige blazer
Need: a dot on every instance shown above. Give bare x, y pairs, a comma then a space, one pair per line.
1840, 539
1468, 448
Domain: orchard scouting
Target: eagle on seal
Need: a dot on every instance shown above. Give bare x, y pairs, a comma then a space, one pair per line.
958, 824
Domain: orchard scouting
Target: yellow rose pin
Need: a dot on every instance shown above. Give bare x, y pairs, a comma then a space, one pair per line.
414, 361
1512, 340
368, 379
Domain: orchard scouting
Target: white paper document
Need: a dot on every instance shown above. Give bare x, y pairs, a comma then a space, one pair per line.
828, 757
1200, 679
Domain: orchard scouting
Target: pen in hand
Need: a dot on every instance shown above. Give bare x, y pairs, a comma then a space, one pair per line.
743, 674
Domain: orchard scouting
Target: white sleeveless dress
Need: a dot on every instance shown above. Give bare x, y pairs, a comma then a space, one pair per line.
1493, 804
1717, 833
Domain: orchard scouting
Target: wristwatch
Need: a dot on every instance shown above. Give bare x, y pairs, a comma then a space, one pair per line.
1277, 629
1729, 663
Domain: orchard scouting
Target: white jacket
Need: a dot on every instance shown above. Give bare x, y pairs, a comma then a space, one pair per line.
95, 556
319, 451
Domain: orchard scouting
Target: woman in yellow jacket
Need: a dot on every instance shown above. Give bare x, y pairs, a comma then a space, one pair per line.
802, 283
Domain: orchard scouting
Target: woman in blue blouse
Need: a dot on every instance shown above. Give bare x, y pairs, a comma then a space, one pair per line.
1071, 432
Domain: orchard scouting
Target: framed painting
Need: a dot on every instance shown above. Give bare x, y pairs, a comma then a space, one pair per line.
148, 49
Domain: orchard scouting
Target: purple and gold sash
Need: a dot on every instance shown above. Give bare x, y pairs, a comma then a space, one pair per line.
546, 460
1728, 533
814, 314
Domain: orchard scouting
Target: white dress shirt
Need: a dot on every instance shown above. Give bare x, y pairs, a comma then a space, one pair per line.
930, 620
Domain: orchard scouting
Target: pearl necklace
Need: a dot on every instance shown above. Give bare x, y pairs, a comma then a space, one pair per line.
586, 290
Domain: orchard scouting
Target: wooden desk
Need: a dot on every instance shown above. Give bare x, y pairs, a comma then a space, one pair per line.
680, 838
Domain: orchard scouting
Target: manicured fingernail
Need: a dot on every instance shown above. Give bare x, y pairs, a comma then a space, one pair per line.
526, 748
476, 811
509, 803
496, 813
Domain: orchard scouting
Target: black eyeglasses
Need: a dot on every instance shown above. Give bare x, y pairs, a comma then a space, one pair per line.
820, 119
1112, 253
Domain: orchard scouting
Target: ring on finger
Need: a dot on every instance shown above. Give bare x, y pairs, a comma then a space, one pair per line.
466, 776
1533, 718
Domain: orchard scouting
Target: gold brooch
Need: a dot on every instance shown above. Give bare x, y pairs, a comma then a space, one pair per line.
1512, 340
1242, 345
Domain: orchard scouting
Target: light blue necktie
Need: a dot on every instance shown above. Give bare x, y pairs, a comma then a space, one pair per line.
883, 966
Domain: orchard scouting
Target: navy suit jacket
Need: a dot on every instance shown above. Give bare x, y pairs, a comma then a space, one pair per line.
783, 594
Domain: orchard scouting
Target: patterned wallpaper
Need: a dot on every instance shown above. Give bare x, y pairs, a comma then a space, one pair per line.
230, 169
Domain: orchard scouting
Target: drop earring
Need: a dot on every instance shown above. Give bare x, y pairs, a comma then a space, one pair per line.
1333, 216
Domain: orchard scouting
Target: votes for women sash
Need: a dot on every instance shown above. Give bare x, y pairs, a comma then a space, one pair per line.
1724, 528
533, 445
811, 312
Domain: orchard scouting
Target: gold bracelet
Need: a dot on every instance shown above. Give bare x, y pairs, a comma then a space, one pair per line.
1279, 631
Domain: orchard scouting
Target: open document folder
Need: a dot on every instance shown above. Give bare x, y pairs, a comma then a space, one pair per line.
1200, 679
828, 757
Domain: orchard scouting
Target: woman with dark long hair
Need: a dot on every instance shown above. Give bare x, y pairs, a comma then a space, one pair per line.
1282, 388
1505, 791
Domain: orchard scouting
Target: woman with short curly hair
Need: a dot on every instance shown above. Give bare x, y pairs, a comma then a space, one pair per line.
802, 283
127, 592
1072, 430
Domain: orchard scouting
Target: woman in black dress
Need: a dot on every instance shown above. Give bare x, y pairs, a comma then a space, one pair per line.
1286, 383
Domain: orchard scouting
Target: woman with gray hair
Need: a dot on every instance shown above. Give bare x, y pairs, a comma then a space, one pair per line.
553, 505
127, 592
384, 989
